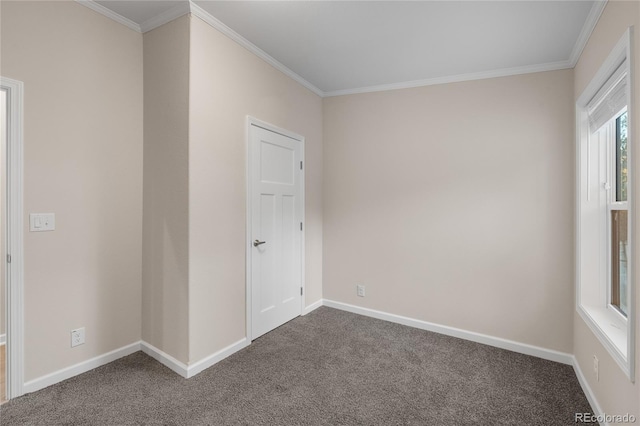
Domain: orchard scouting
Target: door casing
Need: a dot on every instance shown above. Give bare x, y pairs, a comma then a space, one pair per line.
14, 278
251, 121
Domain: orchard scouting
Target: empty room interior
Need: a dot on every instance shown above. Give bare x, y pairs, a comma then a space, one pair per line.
319, 212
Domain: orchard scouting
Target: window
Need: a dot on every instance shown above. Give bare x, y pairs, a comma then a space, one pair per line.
604, 230
614, 179
619, 225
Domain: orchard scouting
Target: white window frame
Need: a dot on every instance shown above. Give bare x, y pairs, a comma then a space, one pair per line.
613, 204
593, 290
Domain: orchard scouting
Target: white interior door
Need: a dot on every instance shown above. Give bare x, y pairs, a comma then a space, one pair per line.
276, 229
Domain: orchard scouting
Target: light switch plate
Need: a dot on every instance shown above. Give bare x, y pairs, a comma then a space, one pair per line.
42, 222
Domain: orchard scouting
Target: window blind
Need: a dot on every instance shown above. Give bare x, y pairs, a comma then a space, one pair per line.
609, 100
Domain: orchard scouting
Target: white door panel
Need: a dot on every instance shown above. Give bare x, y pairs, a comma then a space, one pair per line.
276, 200
276, 163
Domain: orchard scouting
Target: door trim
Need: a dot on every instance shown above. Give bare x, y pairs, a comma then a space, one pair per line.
14, 238
251, 121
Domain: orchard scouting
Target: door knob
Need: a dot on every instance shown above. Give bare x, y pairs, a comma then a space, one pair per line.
256, 243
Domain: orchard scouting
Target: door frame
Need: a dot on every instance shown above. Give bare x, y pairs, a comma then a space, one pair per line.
251, 121
14, 278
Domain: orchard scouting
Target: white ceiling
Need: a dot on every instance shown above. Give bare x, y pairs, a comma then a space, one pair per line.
353, 46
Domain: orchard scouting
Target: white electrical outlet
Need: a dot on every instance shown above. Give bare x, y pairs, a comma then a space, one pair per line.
360, 290
596, 368
77, 337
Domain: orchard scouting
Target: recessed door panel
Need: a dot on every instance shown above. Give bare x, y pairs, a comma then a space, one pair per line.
267, 258
290, 250
276, 164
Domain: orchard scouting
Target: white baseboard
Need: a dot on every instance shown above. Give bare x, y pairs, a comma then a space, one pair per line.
155, 353
597, 410
214, 358
165, 359
3, 339
190, 371
312, 307
497, 342
82, 367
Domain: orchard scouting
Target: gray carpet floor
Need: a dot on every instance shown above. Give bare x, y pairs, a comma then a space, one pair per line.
327, 368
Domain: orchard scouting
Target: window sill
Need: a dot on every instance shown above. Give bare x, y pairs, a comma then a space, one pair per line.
610, 330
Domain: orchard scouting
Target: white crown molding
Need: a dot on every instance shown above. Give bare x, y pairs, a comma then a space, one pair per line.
218, 25
167, 16
195, 10
148, 25
110, 14
505, 72
587, 29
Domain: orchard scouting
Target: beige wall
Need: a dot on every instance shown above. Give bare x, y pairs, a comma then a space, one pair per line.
84, 89
82, 76
453, 204
166, 169
615, 393
227, 84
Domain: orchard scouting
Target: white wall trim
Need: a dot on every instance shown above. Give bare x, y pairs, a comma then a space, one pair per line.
623, 50
82, 367
216, 357
192, 370
218, 25
14, 237
188, 371
3, 339
595, 406
587, 29
195, 10
498, 342
248, 235
505, 72
148, 25
312, 307
97, 7
167, 16
155, 353
165, 359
